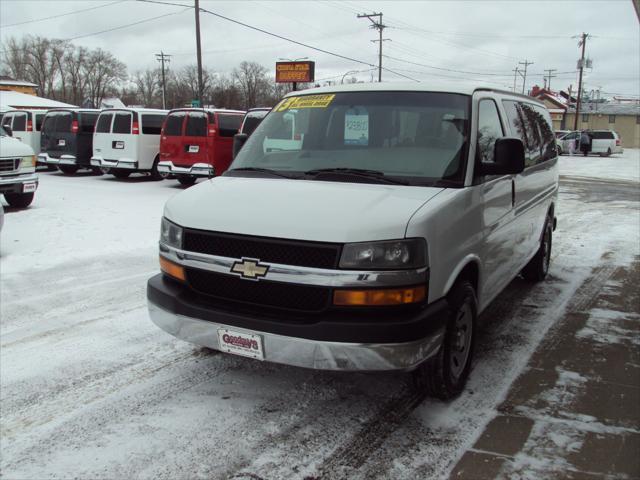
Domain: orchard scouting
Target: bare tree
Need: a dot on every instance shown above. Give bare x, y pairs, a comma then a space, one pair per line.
74, 69
15, 58
148, 86
253, 83
103, 73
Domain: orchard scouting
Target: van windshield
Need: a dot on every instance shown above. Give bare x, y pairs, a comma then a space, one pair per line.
419, 138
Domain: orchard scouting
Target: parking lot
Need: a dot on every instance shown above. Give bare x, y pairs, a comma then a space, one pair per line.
90, 388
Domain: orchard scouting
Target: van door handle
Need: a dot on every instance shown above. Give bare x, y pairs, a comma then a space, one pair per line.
513, 193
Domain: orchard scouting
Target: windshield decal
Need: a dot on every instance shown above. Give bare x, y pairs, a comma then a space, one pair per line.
306, 101
356, 127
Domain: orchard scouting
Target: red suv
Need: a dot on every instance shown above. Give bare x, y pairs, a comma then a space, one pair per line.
197, 142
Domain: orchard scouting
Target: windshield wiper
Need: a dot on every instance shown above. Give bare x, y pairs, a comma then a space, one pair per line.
358, 172
262, 170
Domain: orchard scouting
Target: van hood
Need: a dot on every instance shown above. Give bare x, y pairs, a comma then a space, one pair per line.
12, 147
299, 209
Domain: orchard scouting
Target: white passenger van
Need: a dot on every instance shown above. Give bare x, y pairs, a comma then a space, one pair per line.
128, 140
25, 126
18, 178
374, 245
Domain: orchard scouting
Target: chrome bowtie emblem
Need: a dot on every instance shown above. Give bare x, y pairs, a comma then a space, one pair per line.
250, 269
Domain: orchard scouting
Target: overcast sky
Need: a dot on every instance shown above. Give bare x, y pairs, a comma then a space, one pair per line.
478, 40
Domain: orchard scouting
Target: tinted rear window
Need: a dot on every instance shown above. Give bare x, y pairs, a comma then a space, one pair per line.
20, 122
6, 120
229, 124
152, 124
62, 122
251, 122
39, 120
598, 135
173, 127
88, 122
122, 123
104, 123
196, 125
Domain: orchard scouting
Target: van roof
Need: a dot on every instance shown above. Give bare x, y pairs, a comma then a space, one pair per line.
463, 89
210, 110
88, 110
134, 109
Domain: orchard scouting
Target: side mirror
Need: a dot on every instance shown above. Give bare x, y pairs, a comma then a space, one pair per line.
7, 129
508, 156
239, 139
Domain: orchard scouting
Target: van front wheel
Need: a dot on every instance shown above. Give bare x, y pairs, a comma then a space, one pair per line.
536, 270
68, 169
445, 375
19, 200
186, 180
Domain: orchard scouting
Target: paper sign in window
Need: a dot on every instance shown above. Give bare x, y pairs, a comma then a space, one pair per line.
356, 128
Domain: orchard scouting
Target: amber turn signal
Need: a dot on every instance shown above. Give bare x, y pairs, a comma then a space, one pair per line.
172, 269
395, 296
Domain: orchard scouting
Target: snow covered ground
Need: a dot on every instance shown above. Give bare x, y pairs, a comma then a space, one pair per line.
90, 388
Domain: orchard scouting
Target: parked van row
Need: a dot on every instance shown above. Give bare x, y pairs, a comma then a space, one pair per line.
602, 142
185, 143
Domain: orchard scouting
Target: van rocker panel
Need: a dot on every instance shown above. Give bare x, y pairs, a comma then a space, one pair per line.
341, 341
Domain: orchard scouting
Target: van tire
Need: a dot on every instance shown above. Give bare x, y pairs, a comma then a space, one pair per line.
155, 174
186, 180
607, 153
120, 173
445, 375
68, 169
19, 200
538, 267
97, 171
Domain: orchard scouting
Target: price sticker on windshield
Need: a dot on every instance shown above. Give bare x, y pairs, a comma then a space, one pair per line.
356, 127
305, 101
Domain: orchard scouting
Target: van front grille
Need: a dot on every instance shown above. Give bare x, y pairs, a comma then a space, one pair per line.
267, 250
9, 164
287, 296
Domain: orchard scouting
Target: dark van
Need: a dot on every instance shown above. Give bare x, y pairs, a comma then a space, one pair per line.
197, 142
67, 139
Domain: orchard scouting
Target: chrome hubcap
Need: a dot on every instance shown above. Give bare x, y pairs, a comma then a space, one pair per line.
461, 340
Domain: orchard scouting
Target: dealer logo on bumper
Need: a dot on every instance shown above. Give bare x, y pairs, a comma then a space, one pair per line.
250, 269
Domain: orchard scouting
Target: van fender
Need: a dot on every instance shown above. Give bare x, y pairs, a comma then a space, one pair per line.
462, 264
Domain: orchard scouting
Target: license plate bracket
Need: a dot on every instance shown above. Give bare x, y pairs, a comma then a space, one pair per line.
194, 148
62, 142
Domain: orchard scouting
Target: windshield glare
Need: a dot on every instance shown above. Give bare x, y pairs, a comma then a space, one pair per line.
417, 136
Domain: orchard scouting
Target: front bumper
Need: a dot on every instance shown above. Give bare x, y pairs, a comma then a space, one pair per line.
195, 170
65, 159
19, 183
349, 343
124, 163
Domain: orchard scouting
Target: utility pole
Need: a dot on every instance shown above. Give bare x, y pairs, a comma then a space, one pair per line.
199, 51
515, 76
162, 58
380, 27
524, 76
549, 76
582, 43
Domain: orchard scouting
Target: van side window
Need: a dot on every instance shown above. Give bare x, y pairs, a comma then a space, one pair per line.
229, 124
546, 132
196, 125
20, 122
152, 124
173, 125
6, 120
88, 122
104, 123
39, 120
122, 123
526, 129
489, 129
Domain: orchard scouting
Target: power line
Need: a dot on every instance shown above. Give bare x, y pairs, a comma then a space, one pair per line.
448, 69
60, 15
125, 26
266, 32
524, 75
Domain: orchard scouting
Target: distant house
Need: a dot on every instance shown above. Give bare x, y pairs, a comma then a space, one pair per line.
555, 102
13, 85
623, 117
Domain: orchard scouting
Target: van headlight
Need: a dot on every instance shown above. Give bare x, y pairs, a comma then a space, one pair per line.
28, 162
170, 234
390, 254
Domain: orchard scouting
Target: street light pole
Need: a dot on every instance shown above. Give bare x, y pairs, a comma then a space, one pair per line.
198, 51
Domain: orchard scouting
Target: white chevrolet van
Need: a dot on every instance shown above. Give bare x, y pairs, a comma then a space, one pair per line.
25, 126
372, 243
127, 141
